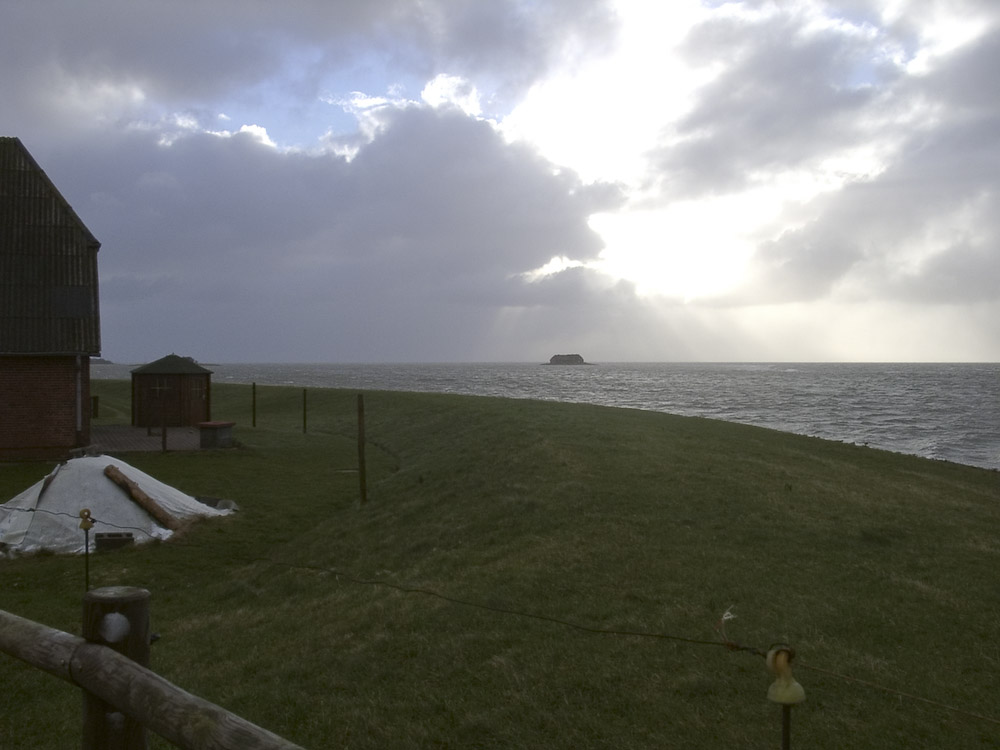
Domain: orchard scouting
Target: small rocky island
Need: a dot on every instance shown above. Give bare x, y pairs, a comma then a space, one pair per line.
567, 359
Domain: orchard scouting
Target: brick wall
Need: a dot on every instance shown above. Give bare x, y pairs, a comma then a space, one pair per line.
38, 405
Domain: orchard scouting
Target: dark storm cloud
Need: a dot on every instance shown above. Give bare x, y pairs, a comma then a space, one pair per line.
423, 236
227, 246
490, 37
182, 55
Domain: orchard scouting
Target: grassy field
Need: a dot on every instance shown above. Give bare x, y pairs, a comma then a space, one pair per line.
441, 613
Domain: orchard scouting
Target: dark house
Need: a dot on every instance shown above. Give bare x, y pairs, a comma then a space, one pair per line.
173, 391
49, 313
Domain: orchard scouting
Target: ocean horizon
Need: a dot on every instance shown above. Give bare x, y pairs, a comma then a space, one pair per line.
942, 410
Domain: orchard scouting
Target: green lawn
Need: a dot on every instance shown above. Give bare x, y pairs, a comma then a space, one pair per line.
300, 612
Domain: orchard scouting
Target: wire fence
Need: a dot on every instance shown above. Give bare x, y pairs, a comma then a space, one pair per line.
720, 626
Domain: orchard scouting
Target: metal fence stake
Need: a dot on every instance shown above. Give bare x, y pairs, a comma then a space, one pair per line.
86, 523
784, 690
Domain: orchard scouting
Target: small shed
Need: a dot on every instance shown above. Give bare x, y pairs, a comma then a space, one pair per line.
173, 391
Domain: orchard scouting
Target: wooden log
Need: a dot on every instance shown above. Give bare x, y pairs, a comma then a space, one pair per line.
141, 499
42, 647
176, 715
186, 720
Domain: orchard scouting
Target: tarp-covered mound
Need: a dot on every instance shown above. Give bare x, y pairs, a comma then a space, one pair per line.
120, 498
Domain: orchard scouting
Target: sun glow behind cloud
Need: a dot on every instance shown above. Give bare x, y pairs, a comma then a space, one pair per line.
601, 118
598, 117
630, 101
681, 251
942, 30
449, 89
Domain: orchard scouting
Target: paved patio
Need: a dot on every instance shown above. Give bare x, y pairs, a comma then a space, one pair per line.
126, 439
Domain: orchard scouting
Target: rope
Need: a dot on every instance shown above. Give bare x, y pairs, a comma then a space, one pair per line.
725, 641
505, 611
900, 693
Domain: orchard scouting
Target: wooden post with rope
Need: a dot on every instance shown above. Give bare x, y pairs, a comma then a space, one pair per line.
86, 523
124, 685
116, 617
362, 470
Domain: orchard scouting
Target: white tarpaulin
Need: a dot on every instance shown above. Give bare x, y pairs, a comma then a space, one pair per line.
46, 516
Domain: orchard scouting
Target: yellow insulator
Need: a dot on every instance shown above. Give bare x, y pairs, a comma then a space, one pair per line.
85, 521
784, 690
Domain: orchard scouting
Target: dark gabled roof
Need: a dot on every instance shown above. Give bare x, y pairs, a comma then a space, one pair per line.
172, 364
22, 178
49, 302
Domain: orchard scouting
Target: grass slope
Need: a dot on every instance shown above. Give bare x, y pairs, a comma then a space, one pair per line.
872, 564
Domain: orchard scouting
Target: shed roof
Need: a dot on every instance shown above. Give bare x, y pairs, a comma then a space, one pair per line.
172, 364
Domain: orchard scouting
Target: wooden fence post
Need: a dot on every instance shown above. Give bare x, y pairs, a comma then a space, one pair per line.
184, 720
362, 472
163, 431
117, 617
253, 402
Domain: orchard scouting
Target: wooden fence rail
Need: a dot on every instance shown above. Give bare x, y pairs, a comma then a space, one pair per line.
186, 720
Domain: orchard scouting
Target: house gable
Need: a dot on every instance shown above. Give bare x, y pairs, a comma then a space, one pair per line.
49, 315
49, 300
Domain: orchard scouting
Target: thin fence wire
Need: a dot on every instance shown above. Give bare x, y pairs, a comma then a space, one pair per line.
724, 642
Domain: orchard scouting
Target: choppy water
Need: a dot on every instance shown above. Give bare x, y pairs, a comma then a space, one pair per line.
942, 411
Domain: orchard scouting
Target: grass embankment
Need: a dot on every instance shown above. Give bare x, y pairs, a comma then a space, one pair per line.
872, 564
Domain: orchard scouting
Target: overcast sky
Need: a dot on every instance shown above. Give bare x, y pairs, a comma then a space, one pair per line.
458, 180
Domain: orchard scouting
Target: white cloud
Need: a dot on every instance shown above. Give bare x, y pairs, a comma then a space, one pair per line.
369, 113
259, 134
94, 101
454, 90
941, 27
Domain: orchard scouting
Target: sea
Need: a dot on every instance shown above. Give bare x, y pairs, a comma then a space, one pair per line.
948, 412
